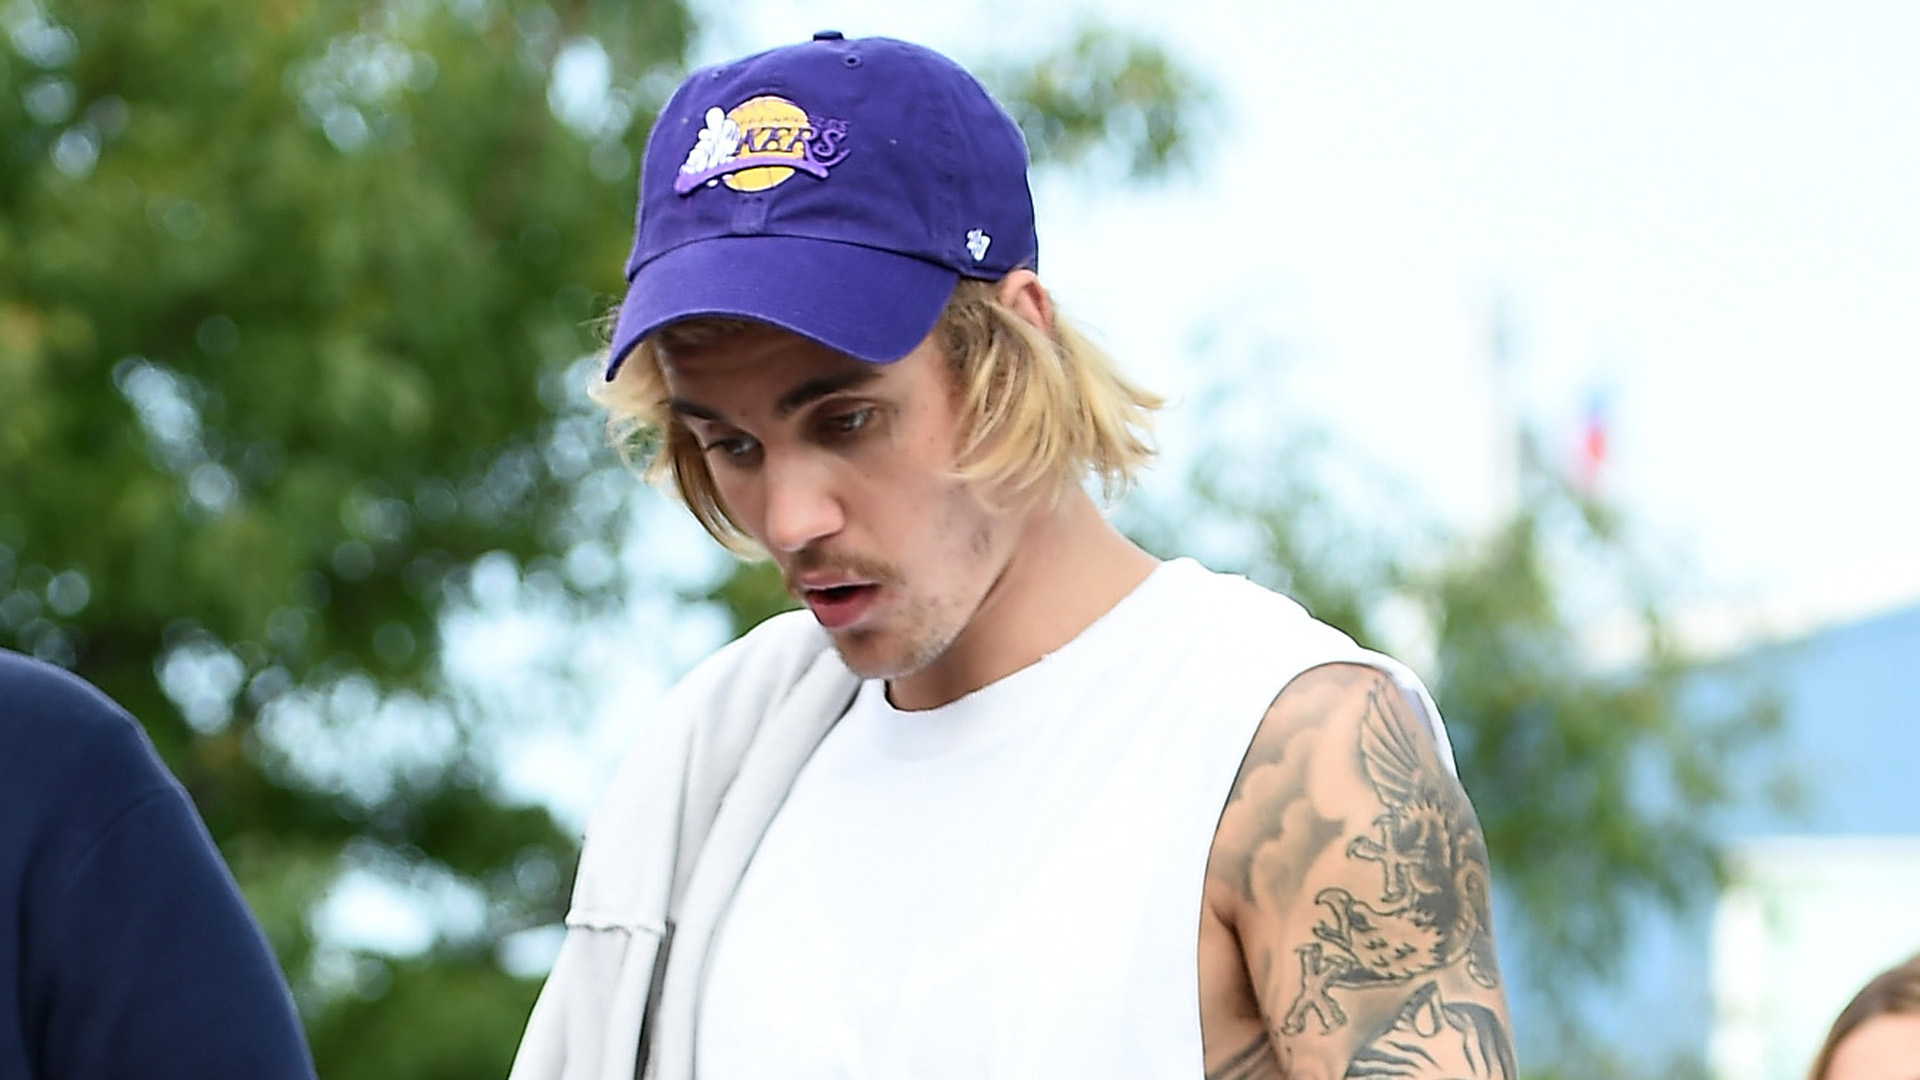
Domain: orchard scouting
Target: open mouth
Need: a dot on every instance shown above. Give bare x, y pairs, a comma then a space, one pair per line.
837, 606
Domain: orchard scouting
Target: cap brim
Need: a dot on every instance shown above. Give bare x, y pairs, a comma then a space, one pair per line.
869, 304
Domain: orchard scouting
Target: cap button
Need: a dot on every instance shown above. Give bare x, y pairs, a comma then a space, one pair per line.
829, 35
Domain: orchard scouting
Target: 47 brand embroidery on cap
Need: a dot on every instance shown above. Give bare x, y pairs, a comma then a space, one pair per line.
759, 144
977, 244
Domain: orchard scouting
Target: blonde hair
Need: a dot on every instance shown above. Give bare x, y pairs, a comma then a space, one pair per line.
1894, 991
1040, 412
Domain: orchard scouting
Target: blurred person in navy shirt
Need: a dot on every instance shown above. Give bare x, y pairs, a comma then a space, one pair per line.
125, 947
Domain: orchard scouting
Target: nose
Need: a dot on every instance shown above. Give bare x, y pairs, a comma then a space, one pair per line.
801, 504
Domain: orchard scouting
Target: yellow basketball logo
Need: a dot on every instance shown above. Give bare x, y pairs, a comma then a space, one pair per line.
769, 127
759, 144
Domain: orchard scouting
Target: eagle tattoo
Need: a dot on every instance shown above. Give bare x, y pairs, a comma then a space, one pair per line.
1432, 909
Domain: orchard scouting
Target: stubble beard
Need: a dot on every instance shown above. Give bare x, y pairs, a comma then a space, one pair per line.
924, 628
919, 640
918, 636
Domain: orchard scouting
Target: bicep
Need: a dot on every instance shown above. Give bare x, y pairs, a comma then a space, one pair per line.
1355, 877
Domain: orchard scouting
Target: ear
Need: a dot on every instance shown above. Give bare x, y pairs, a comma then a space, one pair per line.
1021, 290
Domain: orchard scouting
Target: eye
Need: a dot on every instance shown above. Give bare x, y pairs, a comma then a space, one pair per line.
737, 449
842, 425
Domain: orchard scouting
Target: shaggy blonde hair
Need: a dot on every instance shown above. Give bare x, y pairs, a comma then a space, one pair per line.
1040, 413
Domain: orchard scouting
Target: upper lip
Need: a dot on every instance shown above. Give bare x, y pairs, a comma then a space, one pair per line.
818, 582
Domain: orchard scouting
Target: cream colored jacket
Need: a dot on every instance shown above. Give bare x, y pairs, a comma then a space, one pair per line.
666, 848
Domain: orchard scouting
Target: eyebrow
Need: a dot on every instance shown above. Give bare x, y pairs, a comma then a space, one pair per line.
814, 389
683, 407
793, 400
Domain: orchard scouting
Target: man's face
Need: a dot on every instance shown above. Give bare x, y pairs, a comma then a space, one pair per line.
843, 472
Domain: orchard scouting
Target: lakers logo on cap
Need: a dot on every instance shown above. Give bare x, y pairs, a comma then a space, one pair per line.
759, 144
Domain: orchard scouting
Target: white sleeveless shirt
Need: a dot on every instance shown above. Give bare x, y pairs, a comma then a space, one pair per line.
1010, 885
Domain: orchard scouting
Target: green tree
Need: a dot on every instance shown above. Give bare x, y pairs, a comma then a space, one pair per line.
286, 293
294, 301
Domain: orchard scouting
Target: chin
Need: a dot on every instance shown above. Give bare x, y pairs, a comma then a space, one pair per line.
875, 654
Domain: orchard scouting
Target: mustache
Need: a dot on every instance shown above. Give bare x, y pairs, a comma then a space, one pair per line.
812, 561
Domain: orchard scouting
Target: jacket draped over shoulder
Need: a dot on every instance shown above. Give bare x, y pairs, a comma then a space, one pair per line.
697, 787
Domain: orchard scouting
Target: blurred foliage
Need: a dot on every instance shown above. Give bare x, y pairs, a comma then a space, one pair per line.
1600, 781
443, 1018
1106, 96
750, 594
291, 296
294, 305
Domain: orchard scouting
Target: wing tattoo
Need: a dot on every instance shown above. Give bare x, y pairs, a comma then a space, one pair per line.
1433, 908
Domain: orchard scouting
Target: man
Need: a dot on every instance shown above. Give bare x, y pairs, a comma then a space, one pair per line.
1010, 798
128, 952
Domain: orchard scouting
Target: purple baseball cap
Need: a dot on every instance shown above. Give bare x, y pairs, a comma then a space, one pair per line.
838, 189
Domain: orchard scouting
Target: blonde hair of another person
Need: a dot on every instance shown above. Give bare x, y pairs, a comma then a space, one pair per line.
1877, 1036
1041, 412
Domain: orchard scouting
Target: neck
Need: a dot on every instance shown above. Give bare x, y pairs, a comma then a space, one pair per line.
1069, 567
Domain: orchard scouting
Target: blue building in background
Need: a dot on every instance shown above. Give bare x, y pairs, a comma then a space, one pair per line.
1823, 895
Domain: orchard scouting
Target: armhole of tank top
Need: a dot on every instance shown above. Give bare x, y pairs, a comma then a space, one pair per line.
1415, 691
1407, 683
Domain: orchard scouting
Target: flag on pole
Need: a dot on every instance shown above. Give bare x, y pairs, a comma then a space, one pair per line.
1592, 454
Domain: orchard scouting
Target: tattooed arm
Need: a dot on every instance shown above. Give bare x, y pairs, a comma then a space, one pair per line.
1347, 928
